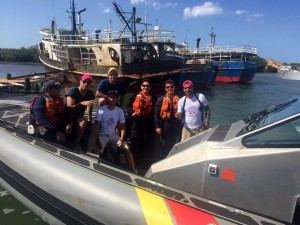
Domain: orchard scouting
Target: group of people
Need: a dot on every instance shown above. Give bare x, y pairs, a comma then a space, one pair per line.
171, 118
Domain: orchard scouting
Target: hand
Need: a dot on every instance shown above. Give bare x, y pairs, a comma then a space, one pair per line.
88, 103
61, 137
206, 126
158, 131
69, 128
178, 115
135, 114
119, 143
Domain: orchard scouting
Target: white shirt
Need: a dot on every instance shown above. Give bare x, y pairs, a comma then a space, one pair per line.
109, 119
192, 112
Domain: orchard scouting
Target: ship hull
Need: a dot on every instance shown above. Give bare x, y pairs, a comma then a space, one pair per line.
235, 71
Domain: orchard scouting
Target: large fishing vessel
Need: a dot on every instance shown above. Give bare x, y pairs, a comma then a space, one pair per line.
234, 63
241, 173
133, 53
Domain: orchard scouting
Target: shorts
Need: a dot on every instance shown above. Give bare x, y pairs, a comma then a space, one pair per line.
109, 139
188, 133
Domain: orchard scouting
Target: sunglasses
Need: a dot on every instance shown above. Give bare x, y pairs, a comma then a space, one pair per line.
145, 85
169, 87
113, 74
86, 82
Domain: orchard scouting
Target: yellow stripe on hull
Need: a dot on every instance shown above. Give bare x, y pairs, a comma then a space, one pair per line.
154, 208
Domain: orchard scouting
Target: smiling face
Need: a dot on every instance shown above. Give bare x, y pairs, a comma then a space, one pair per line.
188, 90
146, 87
85, 84
113, 77
170, 88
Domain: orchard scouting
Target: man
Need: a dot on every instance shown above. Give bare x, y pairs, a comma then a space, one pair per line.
141, 109
110, 117
47, 115
110, 84
167, 126
190, 110
78, 100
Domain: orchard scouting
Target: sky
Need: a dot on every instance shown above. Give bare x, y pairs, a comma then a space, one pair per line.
271, 26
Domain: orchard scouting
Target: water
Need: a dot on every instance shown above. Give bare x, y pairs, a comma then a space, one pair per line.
228, 103
20, 69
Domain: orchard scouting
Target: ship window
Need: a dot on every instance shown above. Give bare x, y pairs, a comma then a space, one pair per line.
286, 135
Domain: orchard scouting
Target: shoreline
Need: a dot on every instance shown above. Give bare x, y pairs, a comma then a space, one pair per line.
22, 63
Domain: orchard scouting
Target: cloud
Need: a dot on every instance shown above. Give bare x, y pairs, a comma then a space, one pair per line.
154, 4
107, 10
207, 9
239, 12
250, 17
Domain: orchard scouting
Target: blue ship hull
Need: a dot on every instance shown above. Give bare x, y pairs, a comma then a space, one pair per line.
235, 71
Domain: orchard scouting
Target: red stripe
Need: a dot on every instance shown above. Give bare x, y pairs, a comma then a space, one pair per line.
227, 79
185, 215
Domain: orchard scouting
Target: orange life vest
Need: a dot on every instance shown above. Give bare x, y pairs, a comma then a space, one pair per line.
169, 107
143, 105
54, 109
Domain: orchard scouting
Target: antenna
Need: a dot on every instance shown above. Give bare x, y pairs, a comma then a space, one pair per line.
54, 19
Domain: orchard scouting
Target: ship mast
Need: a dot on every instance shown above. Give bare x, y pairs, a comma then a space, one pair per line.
73, 18
128, 23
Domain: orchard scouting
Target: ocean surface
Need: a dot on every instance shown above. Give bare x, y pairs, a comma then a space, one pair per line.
228, 103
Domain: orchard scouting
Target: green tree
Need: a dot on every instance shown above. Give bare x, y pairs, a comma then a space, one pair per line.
19, 55
260, 62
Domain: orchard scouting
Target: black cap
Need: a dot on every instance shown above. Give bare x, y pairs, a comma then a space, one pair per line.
52, 84
112, 92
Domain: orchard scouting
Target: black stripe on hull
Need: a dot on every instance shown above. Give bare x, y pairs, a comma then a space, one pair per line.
50, 204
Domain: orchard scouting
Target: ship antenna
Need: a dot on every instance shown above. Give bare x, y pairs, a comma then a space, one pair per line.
54, 17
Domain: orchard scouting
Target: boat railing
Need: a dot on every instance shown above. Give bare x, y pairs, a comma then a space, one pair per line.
222, 49
157, 36
220, 53
61, 36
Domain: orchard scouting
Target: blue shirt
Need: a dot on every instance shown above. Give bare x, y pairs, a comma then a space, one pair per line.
78, 97
105, 86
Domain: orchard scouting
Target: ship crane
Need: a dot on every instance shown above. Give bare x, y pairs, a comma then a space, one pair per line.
130, 23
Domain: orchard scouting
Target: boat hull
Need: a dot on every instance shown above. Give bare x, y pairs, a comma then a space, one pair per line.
64, 187
291, 75
235, 71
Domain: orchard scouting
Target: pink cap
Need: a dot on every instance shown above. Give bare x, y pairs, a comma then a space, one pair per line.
187, 83
86, 77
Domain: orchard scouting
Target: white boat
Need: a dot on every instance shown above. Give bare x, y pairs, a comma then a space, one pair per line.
242, 173
291, 74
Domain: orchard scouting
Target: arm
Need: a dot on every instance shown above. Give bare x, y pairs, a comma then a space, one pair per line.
39, 113
73, 107
178, 114
99, 94
129, 105
207, 116
157, 119
100, 90
122, 131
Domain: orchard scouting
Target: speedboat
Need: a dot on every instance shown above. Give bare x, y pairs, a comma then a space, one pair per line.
242, 173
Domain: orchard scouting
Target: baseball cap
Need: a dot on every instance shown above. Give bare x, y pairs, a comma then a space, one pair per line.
187, 83
86, 76
52, 84
112, 70
112, 92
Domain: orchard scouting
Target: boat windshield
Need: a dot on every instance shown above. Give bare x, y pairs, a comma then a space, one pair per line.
270, 115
